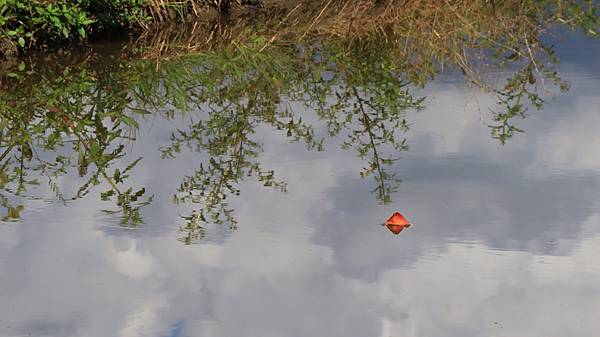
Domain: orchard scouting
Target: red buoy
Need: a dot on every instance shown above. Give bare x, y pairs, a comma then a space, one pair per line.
396, 223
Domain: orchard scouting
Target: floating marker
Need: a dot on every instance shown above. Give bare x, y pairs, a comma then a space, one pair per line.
396, 223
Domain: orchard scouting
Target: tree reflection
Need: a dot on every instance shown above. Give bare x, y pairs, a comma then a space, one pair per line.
232, 156
76, 117
365, 104
56, 125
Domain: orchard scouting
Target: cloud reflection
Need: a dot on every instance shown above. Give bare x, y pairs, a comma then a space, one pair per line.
505, 246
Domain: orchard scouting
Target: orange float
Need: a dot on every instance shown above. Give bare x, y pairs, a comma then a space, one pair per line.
396, 223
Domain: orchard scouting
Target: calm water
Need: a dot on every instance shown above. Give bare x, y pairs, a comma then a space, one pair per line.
505, 240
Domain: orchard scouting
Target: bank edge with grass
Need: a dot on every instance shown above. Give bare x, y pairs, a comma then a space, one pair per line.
31, 24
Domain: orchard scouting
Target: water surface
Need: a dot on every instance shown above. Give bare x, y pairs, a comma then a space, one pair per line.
504, 239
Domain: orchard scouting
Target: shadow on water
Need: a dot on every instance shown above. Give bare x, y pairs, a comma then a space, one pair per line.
74, 114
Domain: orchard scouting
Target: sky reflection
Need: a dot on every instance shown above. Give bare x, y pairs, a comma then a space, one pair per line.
504, 241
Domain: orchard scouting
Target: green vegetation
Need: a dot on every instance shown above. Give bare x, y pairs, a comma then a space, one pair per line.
28, 24
33, 23
355, 70
88, 115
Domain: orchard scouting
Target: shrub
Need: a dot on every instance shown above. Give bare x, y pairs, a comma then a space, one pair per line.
26, 24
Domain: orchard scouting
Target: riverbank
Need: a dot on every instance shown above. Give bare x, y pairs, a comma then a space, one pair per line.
38, 24
43, 24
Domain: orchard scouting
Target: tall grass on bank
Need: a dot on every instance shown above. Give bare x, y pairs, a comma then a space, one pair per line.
27, 24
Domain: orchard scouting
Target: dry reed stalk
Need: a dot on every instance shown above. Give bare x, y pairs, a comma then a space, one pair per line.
424, 31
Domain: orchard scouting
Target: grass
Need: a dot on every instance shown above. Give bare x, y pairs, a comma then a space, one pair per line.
440, 27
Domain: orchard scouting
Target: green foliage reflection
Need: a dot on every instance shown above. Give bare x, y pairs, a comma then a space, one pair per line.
77, 118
